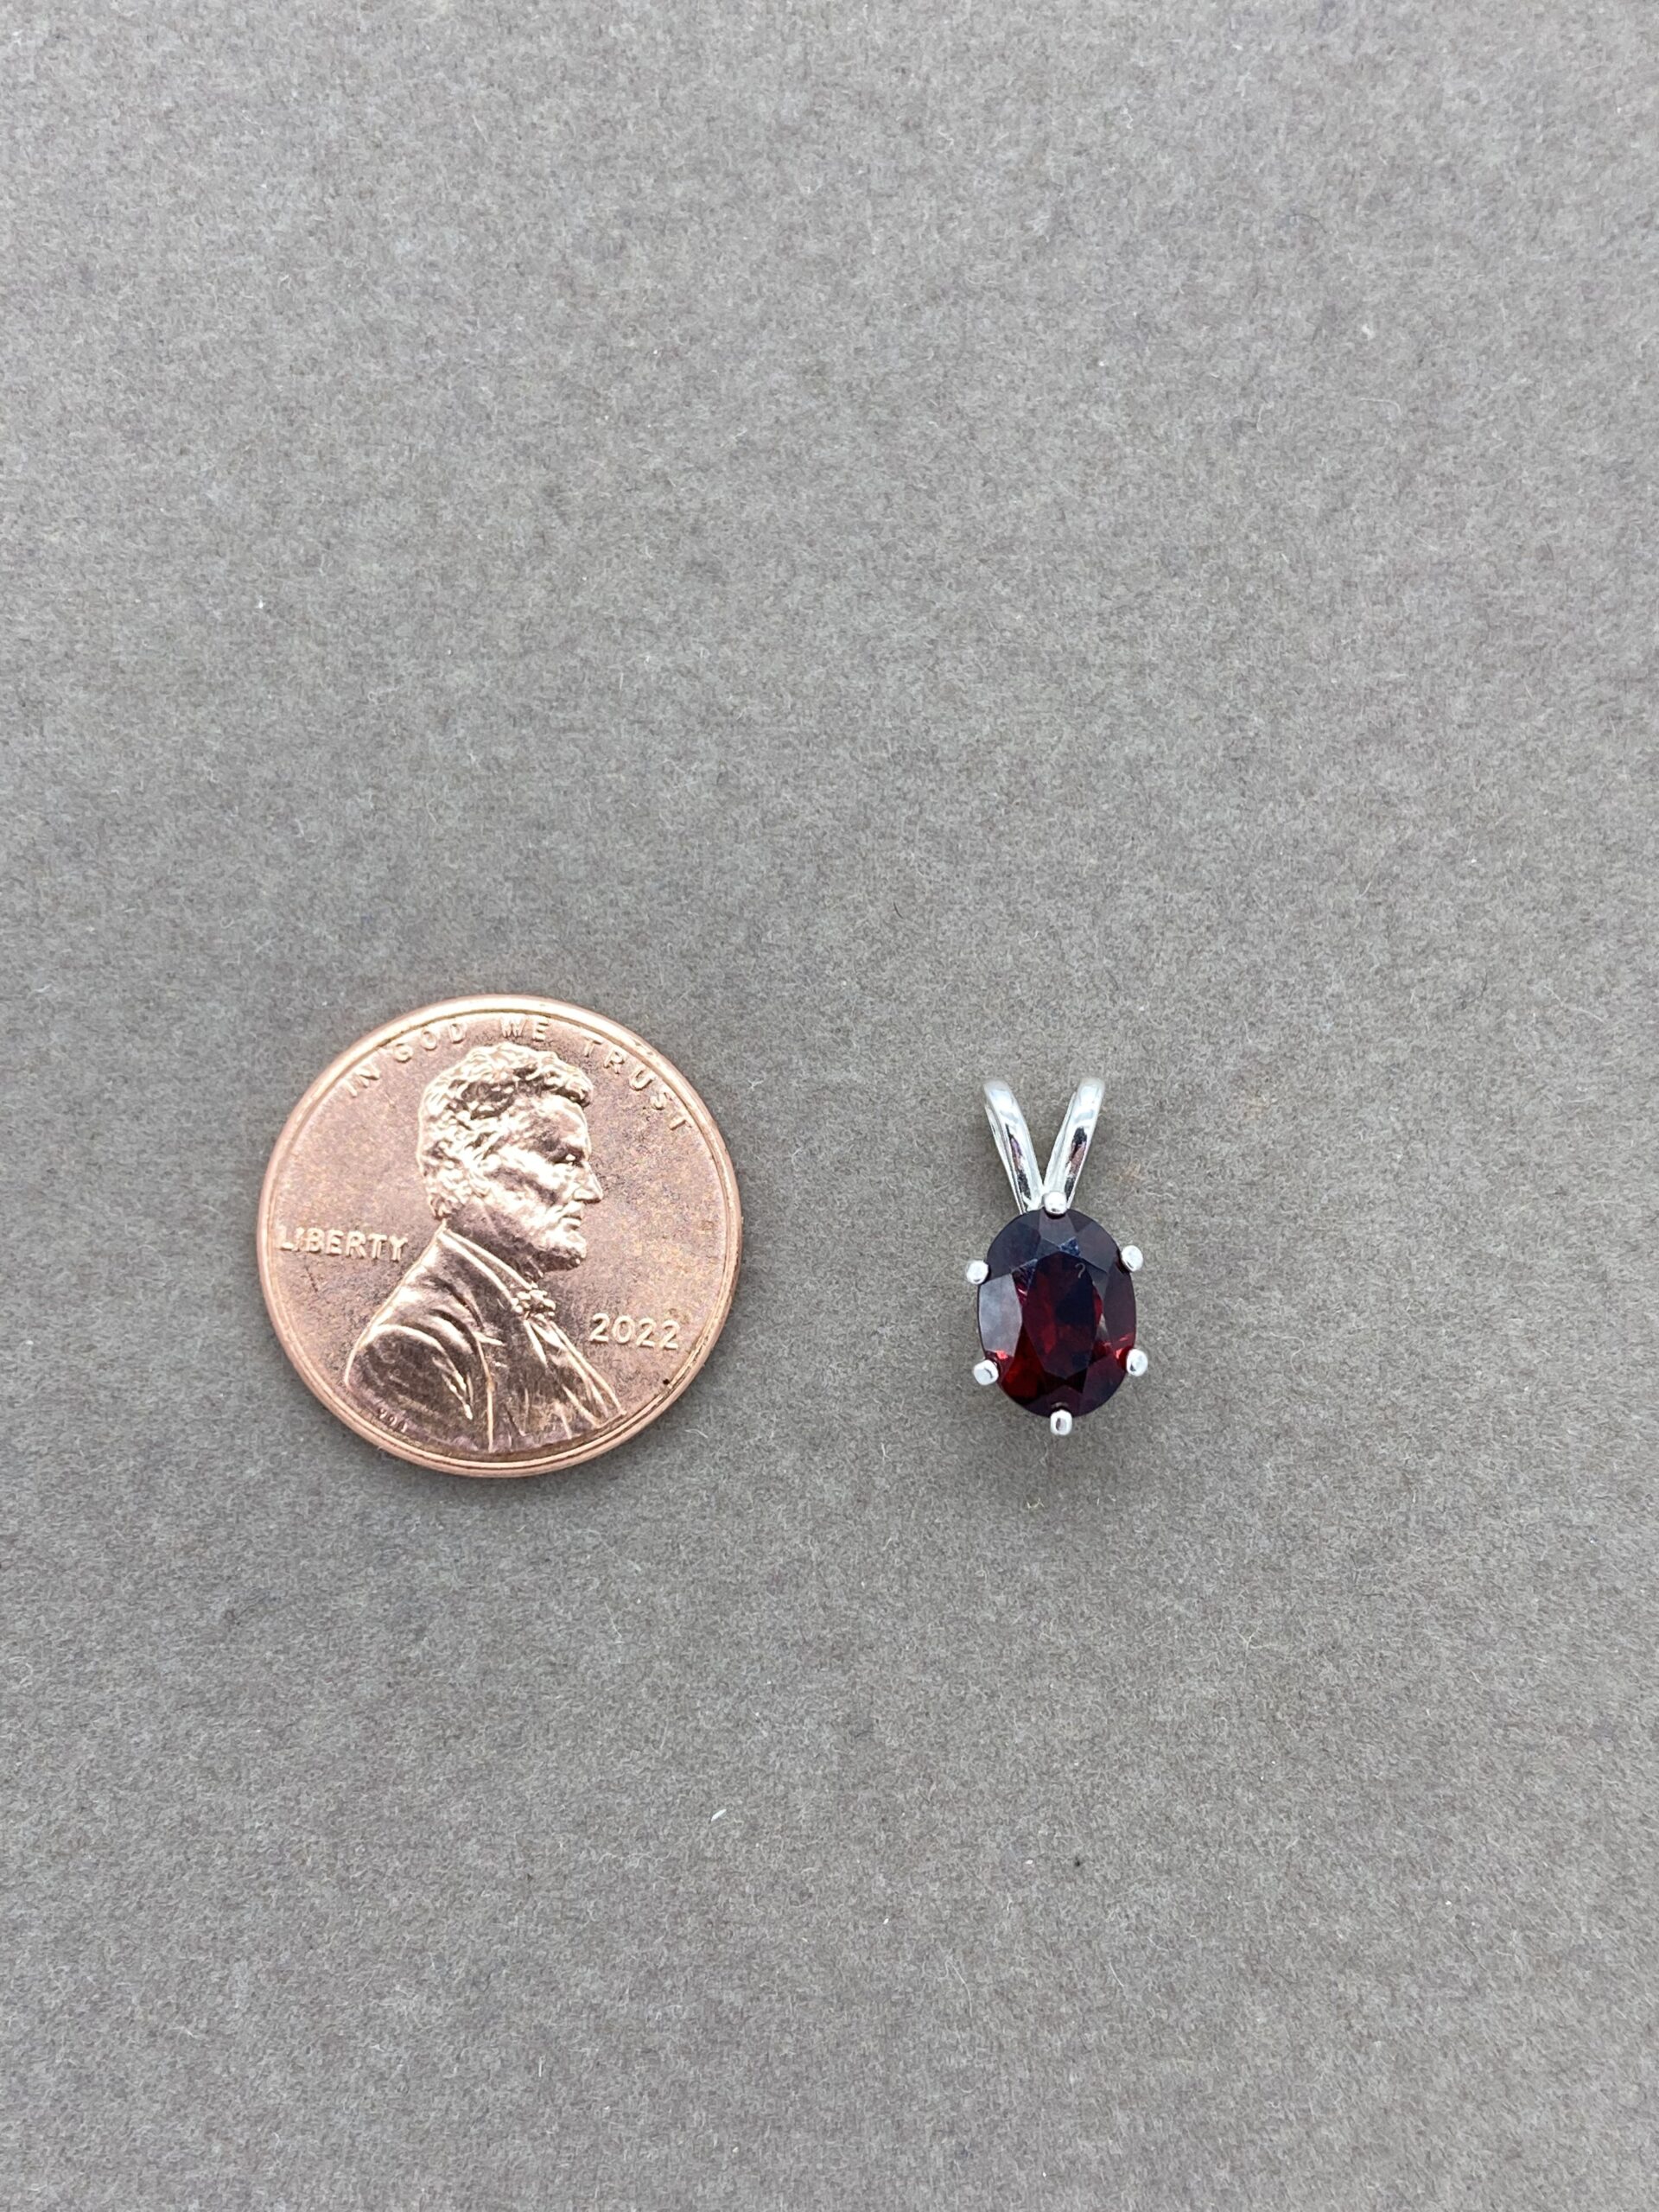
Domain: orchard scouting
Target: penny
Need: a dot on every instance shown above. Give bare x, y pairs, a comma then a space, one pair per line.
500, 1235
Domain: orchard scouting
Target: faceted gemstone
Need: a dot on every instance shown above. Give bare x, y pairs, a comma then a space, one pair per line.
1056, 1313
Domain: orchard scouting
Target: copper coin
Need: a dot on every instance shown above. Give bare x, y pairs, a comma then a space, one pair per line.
500, 1235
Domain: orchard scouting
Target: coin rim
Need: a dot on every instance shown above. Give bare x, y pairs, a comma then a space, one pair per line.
565, 1455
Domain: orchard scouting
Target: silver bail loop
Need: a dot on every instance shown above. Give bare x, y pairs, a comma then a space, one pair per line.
1014, 1148
1013, 1144
1072, 1146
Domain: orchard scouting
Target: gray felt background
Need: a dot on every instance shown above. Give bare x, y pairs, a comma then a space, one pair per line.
878, 546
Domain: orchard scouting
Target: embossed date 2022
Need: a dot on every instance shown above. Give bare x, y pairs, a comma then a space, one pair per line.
642, 1331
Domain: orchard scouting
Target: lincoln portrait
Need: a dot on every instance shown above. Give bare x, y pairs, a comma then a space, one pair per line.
468, 1352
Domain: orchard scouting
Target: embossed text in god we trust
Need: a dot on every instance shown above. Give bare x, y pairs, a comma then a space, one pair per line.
427, 1038
339, 1243
534, 1028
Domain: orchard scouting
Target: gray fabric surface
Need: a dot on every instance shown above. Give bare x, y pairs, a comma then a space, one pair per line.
877, 547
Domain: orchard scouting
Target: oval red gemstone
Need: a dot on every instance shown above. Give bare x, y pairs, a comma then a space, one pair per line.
1056, 1313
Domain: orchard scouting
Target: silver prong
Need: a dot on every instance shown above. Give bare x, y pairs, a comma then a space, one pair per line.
1136, 1363
977, 1272
985, 1371
1072, 1146
1131, 1256
1060, 1424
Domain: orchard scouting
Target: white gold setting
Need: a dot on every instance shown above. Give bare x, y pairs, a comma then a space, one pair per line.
985, 1372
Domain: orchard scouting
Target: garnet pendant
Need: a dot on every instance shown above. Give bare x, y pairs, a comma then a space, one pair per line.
1056, 1293
1056, 1313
